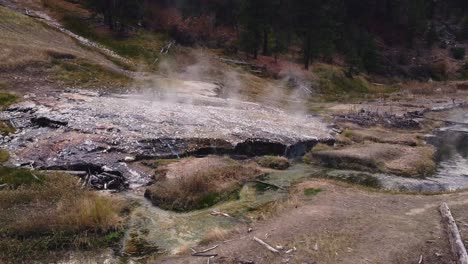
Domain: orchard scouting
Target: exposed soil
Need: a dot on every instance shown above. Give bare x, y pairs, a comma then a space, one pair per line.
350, 225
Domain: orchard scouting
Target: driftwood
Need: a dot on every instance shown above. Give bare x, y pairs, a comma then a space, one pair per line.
458, 248
263, 243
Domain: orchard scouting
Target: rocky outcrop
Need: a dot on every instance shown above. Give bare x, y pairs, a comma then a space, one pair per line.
65, 129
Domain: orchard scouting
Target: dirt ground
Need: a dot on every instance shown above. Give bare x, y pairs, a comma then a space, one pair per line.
345, 224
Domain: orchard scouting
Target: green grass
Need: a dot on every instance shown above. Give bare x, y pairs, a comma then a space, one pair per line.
14, 177
85, 74
141, 46
7, 99
312, 191
335, 85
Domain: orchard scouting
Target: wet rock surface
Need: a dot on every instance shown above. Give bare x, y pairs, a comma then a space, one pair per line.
88, 131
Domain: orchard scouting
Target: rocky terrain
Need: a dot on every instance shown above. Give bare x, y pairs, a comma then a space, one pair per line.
199, 160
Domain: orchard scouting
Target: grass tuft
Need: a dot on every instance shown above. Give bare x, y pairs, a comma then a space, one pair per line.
273, 162
39, 218
4, 156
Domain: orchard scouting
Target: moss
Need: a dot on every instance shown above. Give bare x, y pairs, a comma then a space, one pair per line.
273, 162
312, 191
4, 156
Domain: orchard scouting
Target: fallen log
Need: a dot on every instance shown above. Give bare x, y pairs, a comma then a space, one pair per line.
75, 173
458, 248
263, 243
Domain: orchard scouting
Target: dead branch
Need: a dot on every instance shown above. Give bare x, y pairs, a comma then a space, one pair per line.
204, 255
217, 213
458, 248
267, 246
205, 250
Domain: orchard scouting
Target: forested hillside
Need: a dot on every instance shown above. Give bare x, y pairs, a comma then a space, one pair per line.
318, 29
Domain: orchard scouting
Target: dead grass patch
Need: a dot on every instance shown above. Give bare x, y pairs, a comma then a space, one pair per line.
42, 214
215, 234
326, 247
214, 180
273, 162
388, 158
430, 88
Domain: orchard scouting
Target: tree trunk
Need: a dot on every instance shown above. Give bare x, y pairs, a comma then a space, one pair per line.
307, 51
265, 42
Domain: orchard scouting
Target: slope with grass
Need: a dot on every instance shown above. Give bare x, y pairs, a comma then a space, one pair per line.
33, 50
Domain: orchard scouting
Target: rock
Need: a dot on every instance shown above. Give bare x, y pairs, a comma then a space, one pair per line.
129, 159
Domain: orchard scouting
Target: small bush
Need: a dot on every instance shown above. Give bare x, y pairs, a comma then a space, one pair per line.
458, 53
199, 189
438, 71
273, 162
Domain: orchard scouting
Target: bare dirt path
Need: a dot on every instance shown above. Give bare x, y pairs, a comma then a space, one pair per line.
347, 225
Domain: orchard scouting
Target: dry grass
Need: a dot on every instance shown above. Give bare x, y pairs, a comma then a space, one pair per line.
326, 247
42, 213
388, 158
215, 234
273, 162
28, 42
217, 179
430, 88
